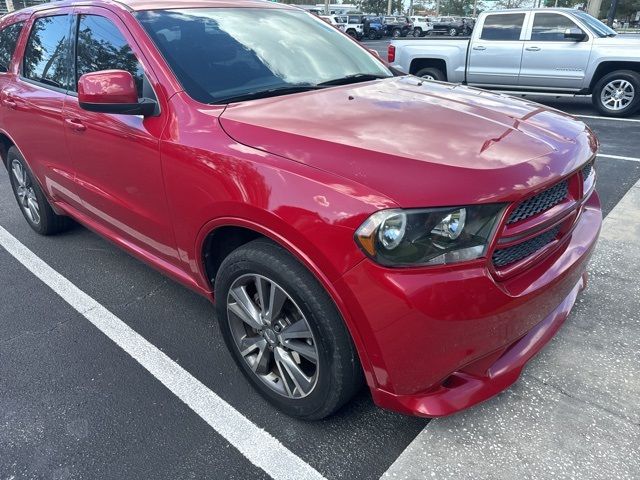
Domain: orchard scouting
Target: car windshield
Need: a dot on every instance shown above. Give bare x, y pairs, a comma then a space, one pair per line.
595, 25
221, 55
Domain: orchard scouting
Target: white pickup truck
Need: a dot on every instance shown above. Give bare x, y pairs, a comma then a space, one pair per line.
534, 50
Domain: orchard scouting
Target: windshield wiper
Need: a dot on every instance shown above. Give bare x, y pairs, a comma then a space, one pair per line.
358, 77
271, 92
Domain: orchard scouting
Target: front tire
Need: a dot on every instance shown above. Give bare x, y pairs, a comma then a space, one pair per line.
32, 202
453, 32
617, 94
417, 32
284, 331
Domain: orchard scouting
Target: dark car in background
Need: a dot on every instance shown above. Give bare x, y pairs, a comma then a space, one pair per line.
452, 26
400, 26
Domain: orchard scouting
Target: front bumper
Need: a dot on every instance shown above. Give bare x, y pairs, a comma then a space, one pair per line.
442, 339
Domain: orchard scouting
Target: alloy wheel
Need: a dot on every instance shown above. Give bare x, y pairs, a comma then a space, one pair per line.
25, 192
273, 336
617, 95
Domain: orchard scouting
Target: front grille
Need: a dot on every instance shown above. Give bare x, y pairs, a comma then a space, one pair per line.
507, 256
541, 202
586, 170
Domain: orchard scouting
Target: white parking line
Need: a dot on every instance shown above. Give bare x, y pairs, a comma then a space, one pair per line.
258, 446
596, 117
618, 157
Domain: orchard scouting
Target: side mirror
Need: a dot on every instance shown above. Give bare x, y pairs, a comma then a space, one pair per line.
112, 91
575, 34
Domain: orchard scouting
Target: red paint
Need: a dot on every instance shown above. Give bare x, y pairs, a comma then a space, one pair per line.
306, 170
108, 86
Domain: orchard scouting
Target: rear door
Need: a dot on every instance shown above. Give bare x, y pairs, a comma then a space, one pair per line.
551, 61
496, 53
32, 103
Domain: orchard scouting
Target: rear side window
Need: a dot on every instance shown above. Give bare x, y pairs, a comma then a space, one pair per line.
550, 27
503, 27
47, 54
8, 41
101, 46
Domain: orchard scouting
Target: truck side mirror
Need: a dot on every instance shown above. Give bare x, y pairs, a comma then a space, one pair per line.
575, 34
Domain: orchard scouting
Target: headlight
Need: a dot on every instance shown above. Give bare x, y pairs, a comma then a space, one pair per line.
403, 238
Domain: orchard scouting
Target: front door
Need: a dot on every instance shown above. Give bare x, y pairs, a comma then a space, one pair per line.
494, 58
116, 157
551, 61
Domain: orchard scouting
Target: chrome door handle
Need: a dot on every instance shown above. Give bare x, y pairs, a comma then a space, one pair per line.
533, 49
75, 124
479, 47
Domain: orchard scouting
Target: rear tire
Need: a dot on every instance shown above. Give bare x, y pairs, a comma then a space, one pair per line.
337, 373
431, 73
617, 94
417, 32
32, 202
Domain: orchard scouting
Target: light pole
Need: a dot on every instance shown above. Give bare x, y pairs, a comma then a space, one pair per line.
389, 7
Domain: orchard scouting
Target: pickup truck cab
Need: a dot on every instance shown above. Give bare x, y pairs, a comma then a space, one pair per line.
539, 50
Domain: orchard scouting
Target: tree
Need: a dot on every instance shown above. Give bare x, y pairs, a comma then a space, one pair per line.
379, 7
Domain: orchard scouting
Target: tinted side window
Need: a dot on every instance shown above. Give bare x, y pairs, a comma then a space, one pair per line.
503, 27
47, 53
550, 27
101, 46
8, 41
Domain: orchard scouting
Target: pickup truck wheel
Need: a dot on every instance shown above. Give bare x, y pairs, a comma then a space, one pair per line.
431, 74
453, 32
617, 94
417, 32
373, 35
31, 200
284, 331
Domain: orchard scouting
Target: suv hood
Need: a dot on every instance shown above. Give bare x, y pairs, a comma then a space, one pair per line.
418, 143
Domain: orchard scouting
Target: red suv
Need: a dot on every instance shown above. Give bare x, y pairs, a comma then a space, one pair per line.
286, 176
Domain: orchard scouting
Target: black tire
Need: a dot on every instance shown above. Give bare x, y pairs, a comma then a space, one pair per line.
339, 374
453, 32
433, 72
629, 76
396, 33
352, 33
373, 35
417, 32
49, 222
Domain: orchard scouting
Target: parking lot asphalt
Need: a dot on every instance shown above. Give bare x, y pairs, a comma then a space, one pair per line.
73, 404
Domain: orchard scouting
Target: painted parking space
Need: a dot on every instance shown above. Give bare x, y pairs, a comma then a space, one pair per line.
73, 404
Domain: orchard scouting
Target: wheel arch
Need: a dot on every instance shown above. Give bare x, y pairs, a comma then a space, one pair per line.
418, 64
604, 68
5, 144
239, 231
